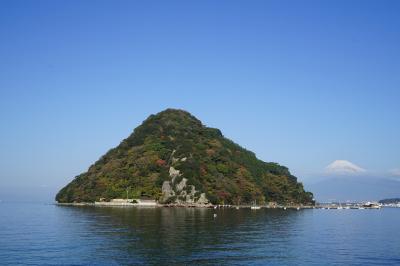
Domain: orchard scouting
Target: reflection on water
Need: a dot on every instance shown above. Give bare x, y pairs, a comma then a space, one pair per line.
182, 235
40, 234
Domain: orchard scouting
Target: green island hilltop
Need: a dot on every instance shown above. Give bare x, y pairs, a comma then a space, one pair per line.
174, 159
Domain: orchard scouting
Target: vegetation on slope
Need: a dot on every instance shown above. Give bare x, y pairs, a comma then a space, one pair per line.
390, 201
224, 171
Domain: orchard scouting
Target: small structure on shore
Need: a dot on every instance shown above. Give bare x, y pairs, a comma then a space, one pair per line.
126, 202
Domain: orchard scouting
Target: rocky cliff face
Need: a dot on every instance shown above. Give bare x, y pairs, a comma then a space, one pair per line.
180, 192
173, 158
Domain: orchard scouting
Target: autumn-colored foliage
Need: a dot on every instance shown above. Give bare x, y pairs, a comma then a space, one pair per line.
215, 165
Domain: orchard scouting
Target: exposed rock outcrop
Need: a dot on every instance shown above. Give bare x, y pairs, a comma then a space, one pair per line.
167, 191
181, 185
174, 173
180, 193
203, 199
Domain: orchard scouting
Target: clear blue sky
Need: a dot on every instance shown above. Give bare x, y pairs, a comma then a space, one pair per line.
302, 83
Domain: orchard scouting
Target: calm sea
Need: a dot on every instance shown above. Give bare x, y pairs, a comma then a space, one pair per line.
45, 234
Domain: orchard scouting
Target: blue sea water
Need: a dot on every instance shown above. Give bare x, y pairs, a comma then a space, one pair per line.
46, 234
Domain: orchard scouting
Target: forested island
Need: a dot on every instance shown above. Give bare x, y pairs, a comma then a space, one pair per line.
174, 159
390, 201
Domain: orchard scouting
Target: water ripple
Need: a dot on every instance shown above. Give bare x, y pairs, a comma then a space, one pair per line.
37, 234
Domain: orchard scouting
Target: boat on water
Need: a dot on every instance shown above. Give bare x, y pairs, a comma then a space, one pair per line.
371, 205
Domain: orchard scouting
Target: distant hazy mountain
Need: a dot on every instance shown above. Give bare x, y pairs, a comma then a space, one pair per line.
354, 188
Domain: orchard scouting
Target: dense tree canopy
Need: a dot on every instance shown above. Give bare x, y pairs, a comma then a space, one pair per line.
226, 172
